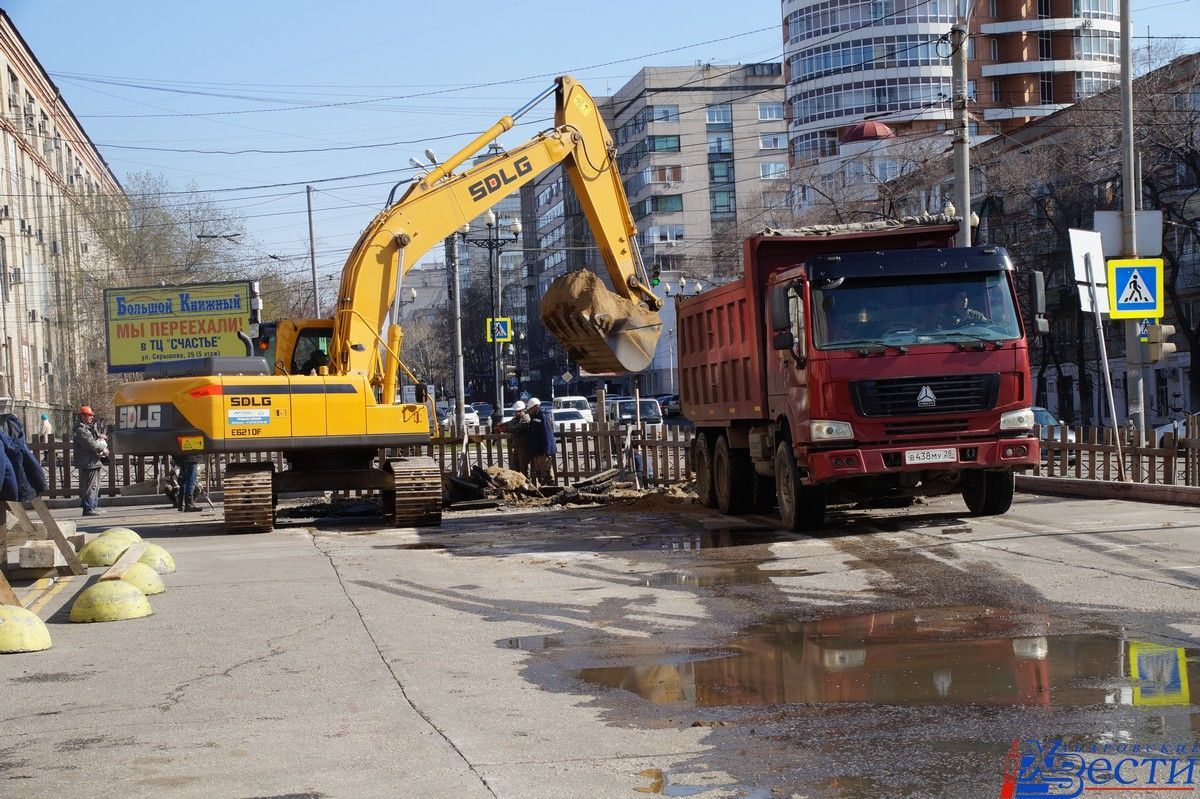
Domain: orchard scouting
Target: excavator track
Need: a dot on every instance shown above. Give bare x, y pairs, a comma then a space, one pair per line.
416, 500
249, 497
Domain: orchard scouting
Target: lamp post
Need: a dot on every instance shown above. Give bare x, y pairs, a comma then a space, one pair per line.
494, 244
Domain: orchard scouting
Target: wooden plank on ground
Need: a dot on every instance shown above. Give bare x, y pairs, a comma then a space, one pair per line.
73, 563
7, 595
127, 559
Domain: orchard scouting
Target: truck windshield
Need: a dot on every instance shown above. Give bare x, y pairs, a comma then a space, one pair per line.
915, 309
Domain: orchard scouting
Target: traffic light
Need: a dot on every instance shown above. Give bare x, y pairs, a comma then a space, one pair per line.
655, 275
1157, 346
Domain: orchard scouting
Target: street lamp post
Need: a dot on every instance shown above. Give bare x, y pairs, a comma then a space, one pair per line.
494, 244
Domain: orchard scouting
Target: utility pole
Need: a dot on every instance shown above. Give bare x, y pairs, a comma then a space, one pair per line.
312, 256
456, 328
962, 122
1129, 194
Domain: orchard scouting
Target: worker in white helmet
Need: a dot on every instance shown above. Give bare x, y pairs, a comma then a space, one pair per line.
517, 429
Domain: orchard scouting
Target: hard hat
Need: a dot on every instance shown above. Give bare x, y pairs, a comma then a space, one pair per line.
518, 406
533, 401
86, 410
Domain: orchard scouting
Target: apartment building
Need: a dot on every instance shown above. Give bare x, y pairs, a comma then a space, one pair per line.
853, 61
703, 153
51, 257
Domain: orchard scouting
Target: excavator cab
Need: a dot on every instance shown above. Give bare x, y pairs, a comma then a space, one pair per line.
295, 346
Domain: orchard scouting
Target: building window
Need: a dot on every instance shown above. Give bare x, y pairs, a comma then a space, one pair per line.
768, 111
1046, 85
666, 203
664, 144
767, 70
772, 141
1098, 46
1089, 83
971, 47
720, 172
993, 8
1045, 48
1043, 9
995, 49
664, 113
772, 170
665, 173
997, 93
722, 202
720, 142
971, 87
719, 114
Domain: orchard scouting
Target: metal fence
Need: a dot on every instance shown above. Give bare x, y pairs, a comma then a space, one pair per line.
661, 456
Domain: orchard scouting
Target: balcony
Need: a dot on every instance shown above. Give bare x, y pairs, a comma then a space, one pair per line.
1057, 65
1051, 24
1019, 112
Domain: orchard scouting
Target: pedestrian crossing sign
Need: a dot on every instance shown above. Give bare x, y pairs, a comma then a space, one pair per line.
499, 330
1135, 288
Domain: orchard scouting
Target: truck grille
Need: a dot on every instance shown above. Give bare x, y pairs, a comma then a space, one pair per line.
906, 396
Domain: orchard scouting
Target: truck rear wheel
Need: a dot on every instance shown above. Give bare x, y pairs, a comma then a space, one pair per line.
702, 464
801, 507
988, 493
732, 473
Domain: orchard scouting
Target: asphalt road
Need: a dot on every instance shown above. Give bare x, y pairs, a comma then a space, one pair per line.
615, 652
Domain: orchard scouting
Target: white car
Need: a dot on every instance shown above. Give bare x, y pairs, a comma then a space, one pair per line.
446, 416
569, 419
621, 413
580, 404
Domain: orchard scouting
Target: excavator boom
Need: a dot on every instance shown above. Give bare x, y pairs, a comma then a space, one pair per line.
603, 331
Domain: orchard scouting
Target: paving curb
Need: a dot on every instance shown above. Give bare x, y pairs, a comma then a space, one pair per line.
1101, 489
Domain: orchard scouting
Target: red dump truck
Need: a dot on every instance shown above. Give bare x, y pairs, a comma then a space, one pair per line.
862, 363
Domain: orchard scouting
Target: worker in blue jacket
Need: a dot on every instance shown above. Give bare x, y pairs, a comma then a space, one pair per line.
541, 442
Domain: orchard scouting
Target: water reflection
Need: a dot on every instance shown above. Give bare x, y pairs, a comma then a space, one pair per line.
957, 655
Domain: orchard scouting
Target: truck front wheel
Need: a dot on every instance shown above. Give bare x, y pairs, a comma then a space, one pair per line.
988, 493
732, 472
702, 464
801, 507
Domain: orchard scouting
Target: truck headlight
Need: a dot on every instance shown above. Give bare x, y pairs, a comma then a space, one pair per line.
824, 430
1017, 420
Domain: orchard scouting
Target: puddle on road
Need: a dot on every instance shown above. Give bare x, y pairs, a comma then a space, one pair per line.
418, 545
711, 539
751, 573
937, 656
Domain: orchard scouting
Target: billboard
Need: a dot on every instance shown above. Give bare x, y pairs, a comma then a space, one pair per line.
148, 324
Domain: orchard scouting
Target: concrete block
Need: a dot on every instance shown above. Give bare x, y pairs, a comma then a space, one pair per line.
79, 540
40, 555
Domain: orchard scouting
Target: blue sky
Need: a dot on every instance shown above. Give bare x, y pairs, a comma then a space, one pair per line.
230, 74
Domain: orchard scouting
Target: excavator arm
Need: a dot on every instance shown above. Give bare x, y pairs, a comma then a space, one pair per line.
601, 331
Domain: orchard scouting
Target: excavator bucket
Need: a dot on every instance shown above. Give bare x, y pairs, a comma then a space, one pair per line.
601, 331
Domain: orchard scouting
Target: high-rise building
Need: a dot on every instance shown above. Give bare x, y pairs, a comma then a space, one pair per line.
702, 151
888, 61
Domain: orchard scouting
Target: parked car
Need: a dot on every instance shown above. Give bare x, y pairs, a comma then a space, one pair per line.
671, 406
1050, 429
1178, 427
484, 409
568, 419
621, 413
446, 416
575, 403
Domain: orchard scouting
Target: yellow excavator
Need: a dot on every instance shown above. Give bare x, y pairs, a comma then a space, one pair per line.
323, 391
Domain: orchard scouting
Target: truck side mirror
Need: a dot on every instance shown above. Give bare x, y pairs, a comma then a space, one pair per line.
1038, 302
783, 340
779, 308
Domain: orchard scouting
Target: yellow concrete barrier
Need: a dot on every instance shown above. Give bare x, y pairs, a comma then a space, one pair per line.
103, 551
158, 559
110, 600
123, 534
22, 631
144, 578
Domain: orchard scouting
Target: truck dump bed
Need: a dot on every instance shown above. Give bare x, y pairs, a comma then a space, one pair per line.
722, 347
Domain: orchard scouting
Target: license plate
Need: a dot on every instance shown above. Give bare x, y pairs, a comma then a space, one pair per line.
915, 456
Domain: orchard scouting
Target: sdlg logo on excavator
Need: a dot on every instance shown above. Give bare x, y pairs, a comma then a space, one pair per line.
491, 183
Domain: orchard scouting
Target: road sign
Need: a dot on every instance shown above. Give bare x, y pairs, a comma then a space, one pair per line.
1085, 248
1148, 227
1135, 288
1142, 325
512, 382
499, 330
567, 377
